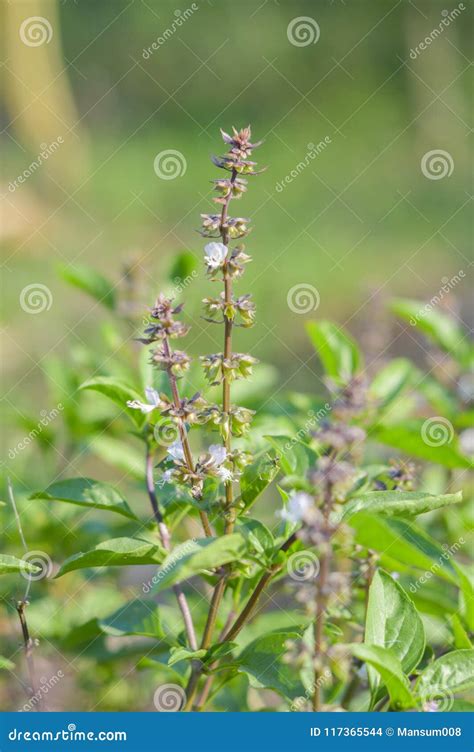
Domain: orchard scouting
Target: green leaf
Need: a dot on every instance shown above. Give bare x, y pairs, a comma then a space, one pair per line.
391, 381
398, 503
441, 328
137, 617
183, 268
461, 640
262, 661
256, 477
119, 454
183, 654
466, 596
386, 663
89, 493
400, 541
10, 564
408, 438
393, 622
117, 552
201, 555
257, 535
90, 281
5, 664
453, 672
339, 353
118, 392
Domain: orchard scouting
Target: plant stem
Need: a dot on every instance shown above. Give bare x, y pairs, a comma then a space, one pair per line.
183, 434
229, 494
165, 539
239, 622
255, 596
210, 679
28, 648
226, 404
318, 628
322, 593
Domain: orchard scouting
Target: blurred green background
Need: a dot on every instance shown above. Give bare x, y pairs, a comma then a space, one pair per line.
360, 222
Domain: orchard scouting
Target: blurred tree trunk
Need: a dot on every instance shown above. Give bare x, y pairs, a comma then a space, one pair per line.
38, 94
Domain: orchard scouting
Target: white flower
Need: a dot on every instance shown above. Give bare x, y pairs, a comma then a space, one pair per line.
167, 476
298, 504
153, 402
176, 451
225, 474
215, 254
218, 454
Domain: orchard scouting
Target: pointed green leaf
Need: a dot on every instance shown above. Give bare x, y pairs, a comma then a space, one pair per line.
137, 617
461, 640
89, 493
117, 552
391, 381
118, 392
5, 664
402, 542
262, 661
453, 672
408, 438
183, 654
10, 564
90, 281
398, 503
196, 556
256, 477
393, 622
441, 328
339, 353
386, 663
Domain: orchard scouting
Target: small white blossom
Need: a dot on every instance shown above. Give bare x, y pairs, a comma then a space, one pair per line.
167, 476
176, 451
218, 454
225, 474
298, 504
215, 254
153, 401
